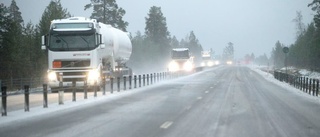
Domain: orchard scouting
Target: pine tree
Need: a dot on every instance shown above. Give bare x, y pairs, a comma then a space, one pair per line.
316, 37
228, 52
108, 12
194, 47
5, 49
53, 11
174, 42
156, 27
278, 55
157, 37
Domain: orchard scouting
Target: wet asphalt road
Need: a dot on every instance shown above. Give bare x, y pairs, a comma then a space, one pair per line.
226, 101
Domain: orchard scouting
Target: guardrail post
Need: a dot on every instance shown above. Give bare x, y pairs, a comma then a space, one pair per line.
26, 97
118, 84
95, 86
314, 87
74, 91
104, 85
45, 96
135, 81
300, 83
4, 101
111, 85
309, 87
151, 80
85, 92
317, 87
60, 92
304, 84
124, 83
144, 79
147, 79
139, 80
294, 81
130, 82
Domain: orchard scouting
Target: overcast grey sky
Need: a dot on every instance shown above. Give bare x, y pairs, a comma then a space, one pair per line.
253, 26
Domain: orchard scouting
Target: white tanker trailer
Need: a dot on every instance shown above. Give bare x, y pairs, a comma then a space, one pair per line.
82, 49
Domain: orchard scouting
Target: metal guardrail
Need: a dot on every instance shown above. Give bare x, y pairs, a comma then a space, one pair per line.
131, 82
305, 84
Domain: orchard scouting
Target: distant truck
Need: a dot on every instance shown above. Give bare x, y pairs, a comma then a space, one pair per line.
181, 60
207, 60
82, 49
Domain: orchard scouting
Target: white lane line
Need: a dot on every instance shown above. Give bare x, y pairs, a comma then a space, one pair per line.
166, 125
199, 98
206, 92
212, 87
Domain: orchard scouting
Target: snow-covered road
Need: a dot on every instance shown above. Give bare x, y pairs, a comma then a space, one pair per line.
225, 101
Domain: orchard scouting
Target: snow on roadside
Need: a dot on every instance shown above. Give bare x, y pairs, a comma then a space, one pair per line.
287, 86
37, 112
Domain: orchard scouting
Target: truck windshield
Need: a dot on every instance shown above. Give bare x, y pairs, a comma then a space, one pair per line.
72, 42
180, 54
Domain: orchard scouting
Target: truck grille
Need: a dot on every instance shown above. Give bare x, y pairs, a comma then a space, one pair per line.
75, 63
74, 76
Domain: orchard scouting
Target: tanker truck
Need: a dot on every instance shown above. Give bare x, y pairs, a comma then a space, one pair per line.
85, 50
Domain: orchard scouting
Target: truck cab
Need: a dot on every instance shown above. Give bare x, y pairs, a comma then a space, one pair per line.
181, 60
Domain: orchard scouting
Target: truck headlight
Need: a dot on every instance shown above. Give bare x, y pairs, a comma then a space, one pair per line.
52, 76
173, 66
203, 64
210, 63
93, 75
187, 66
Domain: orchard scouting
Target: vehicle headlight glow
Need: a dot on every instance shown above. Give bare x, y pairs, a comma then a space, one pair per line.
210, 63
173, 66
52, 76
93, 75
203, 64
187, 66
229, 62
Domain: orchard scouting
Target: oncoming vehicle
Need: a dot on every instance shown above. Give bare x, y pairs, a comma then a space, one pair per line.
181, 60
83, 50
207, 60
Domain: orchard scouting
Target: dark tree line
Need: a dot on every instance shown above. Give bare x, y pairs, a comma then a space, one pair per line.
20, 52
305, 52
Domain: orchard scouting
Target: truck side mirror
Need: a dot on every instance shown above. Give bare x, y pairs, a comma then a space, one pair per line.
44, 42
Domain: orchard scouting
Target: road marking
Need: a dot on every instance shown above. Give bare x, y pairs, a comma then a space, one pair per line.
166, 125
206, 92
214, 84
199, 98
188, 108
